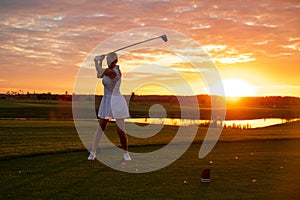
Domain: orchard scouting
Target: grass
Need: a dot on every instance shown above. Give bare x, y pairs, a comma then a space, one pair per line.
46, 160
31, 137
274, 165
42, 157
59, 110
35, 110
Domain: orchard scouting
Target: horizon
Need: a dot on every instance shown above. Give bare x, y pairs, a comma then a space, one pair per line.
229, 98
254, 45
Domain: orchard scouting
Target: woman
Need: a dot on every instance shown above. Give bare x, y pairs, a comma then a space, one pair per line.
113, 105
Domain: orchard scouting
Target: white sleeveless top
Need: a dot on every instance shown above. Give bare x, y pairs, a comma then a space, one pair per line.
113, 104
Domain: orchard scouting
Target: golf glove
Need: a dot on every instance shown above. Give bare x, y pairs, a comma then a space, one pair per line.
99, 58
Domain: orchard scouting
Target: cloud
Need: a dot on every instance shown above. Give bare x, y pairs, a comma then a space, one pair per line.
241, 58
295, 46
60, 34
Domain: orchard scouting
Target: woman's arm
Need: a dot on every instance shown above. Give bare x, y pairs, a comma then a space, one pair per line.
98, 65
100, 71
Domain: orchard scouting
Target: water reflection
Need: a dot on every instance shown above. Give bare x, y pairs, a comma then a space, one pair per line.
235, 124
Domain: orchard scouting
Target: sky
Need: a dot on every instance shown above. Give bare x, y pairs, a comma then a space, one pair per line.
254, 44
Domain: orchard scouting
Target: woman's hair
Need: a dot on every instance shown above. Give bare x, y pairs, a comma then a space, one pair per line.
111, 57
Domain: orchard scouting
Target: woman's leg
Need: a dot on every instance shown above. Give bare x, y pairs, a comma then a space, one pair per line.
121, 132
98, 134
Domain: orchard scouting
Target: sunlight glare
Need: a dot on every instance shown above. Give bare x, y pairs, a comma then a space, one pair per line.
235, 87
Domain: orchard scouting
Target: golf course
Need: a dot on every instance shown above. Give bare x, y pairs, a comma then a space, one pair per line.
43, 158
150, 100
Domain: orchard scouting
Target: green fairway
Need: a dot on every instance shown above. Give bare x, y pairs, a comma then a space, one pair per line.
25, 138
21, 138
46, 160
243, 170
61, 110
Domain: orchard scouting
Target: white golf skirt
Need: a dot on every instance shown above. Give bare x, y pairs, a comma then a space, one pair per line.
113, 107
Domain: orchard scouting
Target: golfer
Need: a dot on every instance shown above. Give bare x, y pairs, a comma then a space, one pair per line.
113, 104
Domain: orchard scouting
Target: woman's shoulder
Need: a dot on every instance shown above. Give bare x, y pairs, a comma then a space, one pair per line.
117, 68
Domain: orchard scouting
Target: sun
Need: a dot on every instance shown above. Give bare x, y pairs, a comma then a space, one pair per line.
235, 87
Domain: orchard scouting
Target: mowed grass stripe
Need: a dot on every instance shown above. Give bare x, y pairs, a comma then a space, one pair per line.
29, 137
272, 164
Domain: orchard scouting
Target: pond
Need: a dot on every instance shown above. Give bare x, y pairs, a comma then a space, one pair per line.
241, 124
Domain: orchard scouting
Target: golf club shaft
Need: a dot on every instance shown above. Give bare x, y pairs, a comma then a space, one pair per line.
137, 43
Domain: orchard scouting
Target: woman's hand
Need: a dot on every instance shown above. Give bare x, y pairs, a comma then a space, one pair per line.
99, 58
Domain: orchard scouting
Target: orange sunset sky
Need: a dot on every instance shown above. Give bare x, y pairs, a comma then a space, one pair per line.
255, 44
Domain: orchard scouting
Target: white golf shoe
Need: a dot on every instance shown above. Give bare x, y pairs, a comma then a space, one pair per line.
127, 157
92, 156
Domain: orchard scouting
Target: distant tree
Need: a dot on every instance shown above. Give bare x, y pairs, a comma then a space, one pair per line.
132, 96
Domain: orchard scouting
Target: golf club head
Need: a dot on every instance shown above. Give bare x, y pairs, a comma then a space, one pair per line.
164, 38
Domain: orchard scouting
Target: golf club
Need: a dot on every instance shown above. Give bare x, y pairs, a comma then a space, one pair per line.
163, 37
